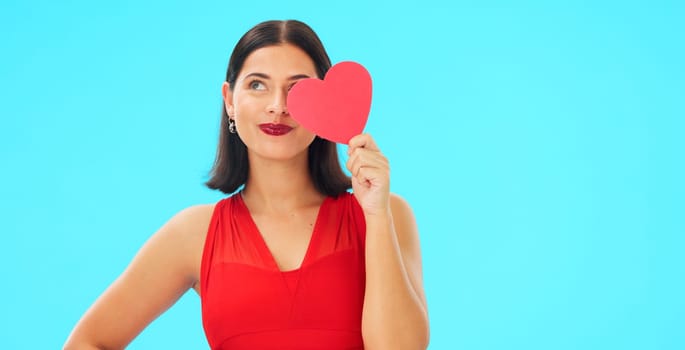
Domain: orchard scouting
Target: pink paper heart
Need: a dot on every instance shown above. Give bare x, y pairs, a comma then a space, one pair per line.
335, 108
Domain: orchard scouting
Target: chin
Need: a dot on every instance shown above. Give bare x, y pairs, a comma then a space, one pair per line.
281, 152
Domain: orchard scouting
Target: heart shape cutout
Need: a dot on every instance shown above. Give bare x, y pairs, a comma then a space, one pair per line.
335, 108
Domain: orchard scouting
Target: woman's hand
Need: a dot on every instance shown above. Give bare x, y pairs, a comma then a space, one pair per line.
370, 175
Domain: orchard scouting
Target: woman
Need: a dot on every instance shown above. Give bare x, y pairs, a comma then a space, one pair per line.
292, 260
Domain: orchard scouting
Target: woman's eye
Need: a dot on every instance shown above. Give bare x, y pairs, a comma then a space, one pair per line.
257, 85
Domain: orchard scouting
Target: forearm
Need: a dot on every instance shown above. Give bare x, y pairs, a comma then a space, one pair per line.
394, 316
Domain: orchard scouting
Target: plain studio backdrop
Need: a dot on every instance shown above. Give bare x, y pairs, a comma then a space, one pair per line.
540, 144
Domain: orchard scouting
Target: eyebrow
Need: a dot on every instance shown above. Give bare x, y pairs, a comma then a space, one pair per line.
264, 76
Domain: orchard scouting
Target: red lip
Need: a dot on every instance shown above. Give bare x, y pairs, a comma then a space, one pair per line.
275, 129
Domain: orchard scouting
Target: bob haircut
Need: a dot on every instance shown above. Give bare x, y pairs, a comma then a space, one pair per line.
231, 165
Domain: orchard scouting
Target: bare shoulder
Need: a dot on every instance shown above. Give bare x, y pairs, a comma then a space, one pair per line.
408, 240
186, 230
164, 268
404, 221
192, 221
396, 199
190, 227
401, 209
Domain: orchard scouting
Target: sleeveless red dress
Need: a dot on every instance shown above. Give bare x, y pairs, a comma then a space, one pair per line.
248, 303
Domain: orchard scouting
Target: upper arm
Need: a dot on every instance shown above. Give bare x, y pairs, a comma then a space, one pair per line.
408, 239
159, 274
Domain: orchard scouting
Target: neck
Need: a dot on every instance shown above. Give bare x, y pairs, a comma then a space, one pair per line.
275, 186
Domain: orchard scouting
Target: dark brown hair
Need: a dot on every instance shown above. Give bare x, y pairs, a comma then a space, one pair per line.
231, 165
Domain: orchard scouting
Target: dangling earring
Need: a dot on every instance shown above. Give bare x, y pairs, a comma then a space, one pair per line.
231, 126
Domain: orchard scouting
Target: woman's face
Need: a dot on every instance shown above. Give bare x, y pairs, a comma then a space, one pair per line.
258, 102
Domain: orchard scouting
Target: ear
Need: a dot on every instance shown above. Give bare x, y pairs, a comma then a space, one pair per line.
228, 99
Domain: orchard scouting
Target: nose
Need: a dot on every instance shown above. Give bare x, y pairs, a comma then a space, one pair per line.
278, 106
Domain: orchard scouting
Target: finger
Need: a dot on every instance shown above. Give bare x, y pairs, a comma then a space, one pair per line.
368, 176
362, 178
362, 141
354, 157
367, 160
365, 154
356, 173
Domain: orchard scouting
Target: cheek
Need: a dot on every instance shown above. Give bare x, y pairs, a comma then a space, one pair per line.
246, 104
307, 135
245, 111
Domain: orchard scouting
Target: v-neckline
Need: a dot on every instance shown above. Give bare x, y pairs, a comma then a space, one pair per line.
264, 248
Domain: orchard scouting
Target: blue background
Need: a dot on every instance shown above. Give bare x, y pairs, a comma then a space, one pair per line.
540, 144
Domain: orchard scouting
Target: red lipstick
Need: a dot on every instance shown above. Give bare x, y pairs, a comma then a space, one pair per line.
275, 129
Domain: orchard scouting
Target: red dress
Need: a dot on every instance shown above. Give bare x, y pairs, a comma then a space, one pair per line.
248, 303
